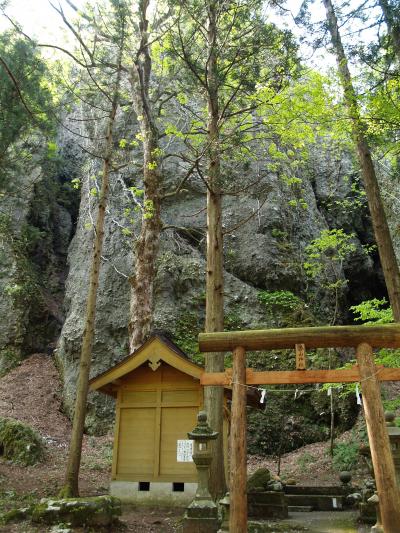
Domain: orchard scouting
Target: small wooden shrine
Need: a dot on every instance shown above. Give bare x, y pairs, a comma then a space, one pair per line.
158, 395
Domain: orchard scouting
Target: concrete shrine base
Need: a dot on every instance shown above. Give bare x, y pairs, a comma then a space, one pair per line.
158, 493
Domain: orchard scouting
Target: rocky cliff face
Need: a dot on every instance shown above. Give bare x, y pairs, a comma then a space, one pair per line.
267, 229
265, 241
36, 226
16, 280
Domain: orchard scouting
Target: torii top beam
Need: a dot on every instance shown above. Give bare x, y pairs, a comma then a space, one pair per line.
382, 336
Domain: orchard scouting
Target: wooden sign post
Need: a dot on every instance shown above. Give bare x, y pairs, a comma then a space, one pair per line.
301, 358
364, 339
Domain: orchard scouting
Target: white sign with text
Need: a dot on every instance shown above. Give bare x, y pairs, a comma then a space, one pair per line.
184, 451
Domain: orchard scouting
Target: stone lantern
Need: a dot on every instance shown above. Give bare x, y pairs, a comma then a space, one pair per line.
225, 505
374, 500
394, 437
202, 514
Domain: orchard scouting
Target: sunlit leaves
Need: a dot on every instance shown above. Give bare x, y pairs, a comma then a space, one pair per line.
326, 254
25, 99
373, 311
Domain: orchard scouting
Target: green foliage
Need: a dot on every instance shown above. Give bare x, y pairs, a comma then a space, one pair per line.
279, 300
285, 309
326, 254
233, 321
383, 120
25, 100
20, 443
389, 358
346, 455
189, 325
136, 192
24, 288
52, 150
185, 336
249, 52
391, 405
279, 234
148, 209
373, 312
76, 183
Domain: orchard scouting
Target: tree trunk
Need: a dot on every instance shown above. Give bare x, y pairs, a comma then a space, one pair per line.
142, 282
379, 222
214, 396
393, 25
71, 488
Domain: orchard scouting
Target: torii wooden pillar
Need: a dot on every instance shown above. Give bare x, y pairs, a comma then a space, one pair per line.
364, 339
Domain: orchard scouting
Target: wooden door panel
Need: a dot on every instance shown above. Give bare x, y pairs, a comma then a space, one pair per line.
175, 424
136, 441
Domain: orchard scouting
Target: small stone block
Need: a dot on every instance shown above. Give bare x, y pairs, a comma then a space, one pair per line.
200, 525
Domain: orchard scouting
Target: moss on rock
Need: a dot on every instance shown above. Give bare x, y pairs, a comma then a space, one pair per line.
10, 357
91, 512
259, 481
20, 443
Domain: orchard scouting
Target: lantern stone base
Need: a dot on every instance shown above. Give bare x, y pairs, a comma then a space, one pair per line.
200, 525
201, 518
162, 494
367, 513
377, 529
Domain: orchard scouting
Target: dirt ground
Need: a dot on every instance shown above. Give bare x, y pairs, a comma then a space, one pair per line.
31, 393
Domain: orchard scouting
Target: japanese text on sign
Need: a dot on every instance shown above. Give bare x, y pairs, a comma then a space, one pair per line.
184, 451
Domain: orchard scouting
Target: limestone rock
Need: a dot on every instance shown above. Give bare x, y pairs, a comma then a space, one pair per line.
259, 481
90, 512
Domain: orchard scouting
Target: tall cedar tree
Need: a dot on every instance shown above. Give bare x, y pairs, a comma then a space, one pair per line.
71, 486
139, 72
378, 216
227, 48
142, 282
391, 14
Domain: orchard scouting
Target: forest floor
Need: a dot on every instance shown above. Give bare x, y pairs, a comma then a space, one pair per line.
31, 393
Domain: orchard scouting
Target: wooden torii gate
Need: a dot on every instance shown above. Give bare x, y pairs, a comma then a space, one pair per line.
363, 339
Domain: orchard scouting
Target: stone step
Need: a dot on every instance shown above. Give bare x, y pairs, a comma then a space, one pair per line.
300, 508
317, 501
321, 491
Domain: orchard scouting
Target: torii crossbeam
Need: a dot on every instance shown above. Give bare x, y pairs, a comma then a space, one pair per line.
363, 339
